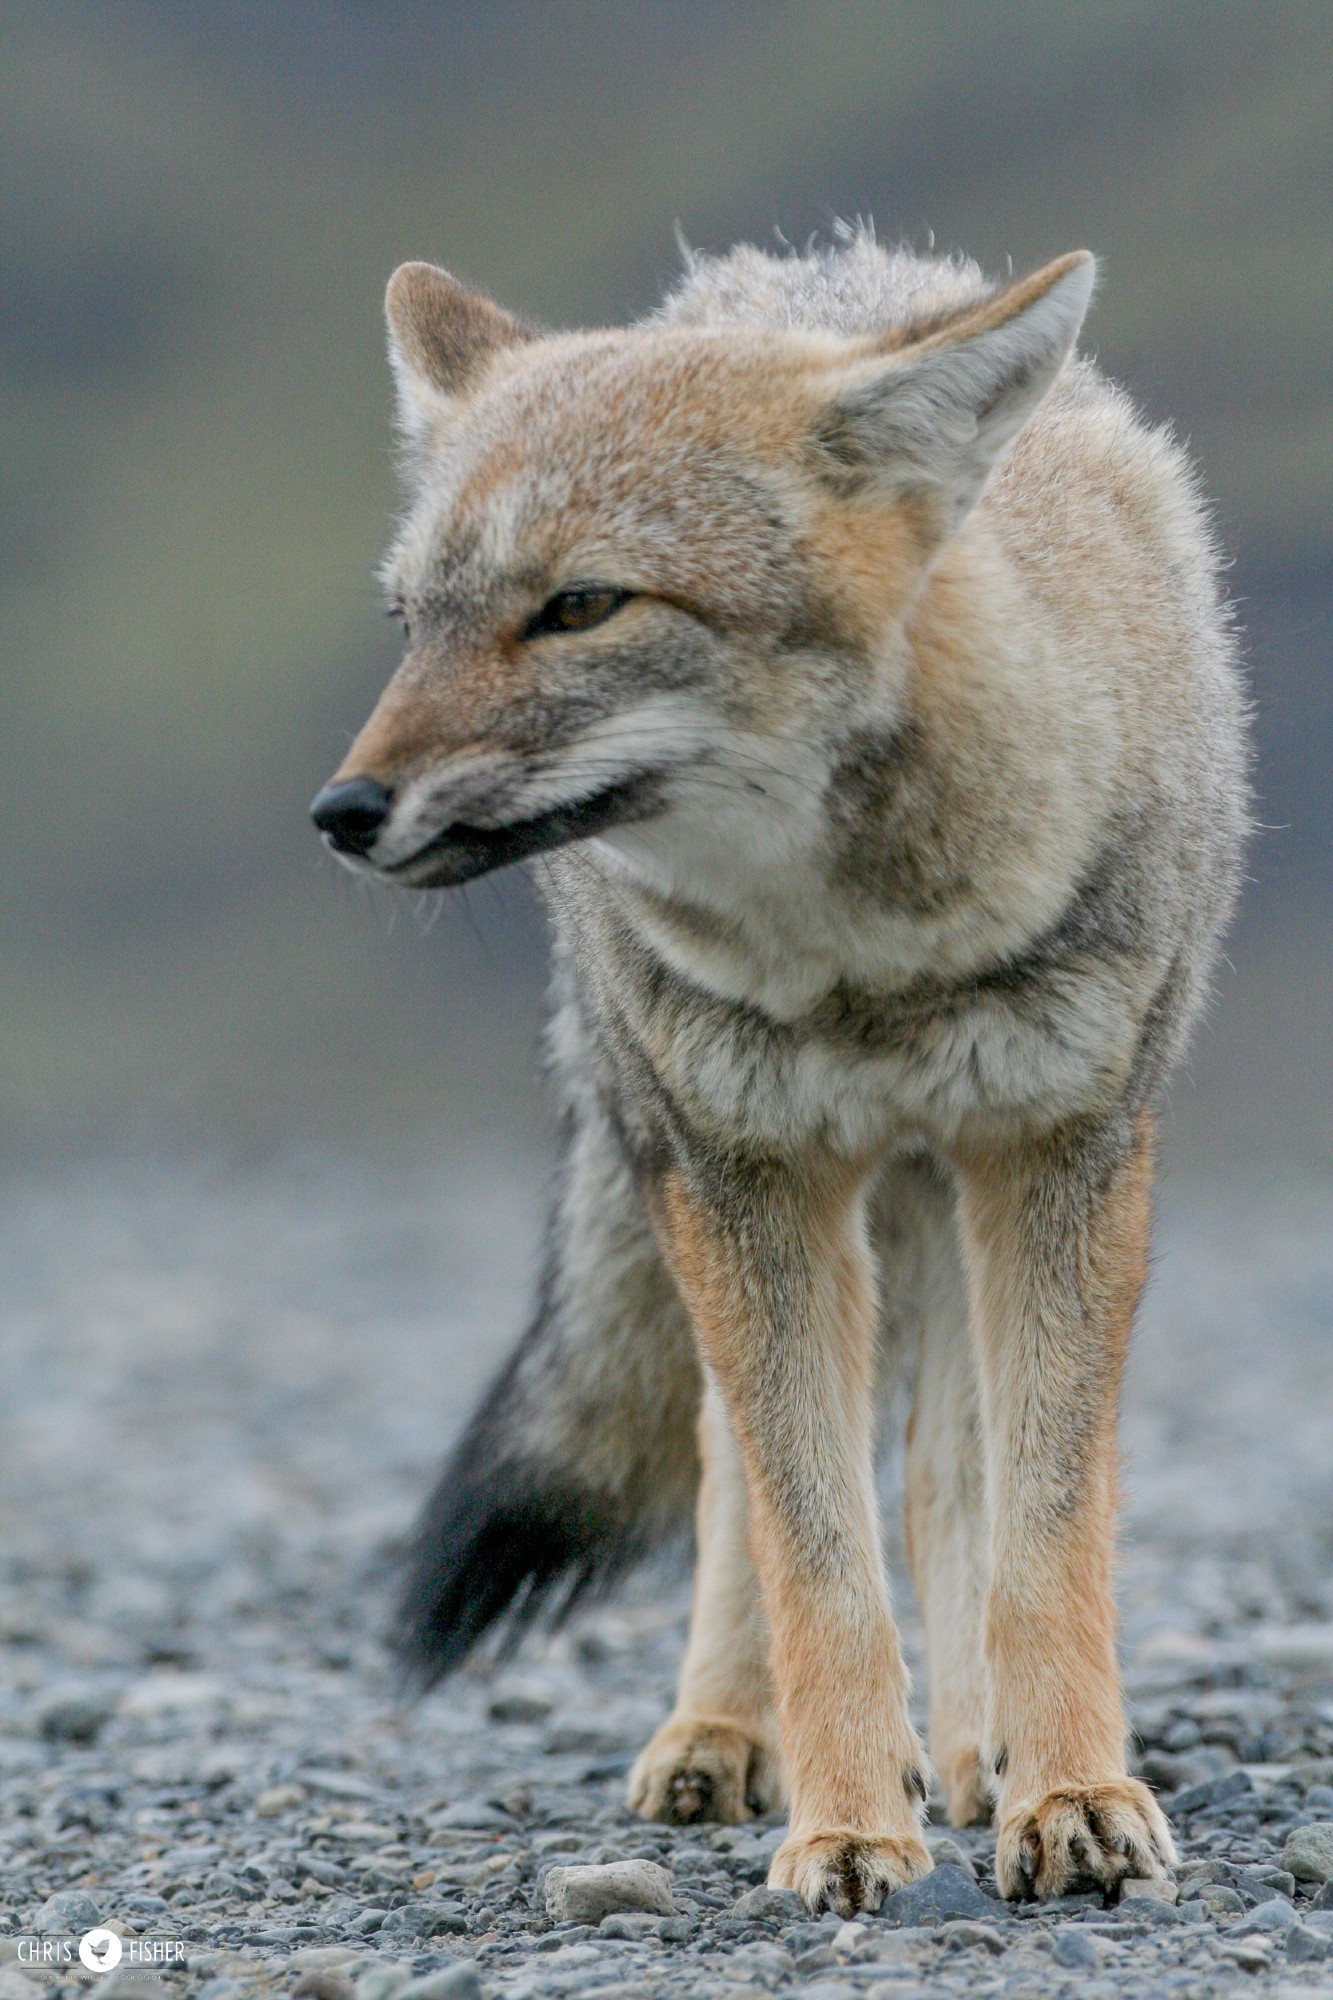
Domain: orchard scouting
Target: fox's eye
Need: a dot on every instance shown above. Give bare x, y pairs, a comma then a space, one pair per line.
399, 612
576, 610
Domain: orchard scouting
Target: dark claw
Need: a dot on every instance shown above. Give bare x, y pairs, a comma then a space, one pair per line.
840, 1893
691, 1796
1029, 1856
754, 1799
1086, 1855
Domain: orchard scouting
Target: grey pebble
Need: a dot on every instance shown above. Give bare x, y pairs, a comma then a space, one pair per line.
1312, 1772
68, 1910
144, 1906
1213, 1792
1219, 1899
945, 1892
677, 1930
567, 1934
962, 1933
587, 1894
769, 1906
767, 1962
1145, 1913
1149, 1889
73, 1718
631, 1924
885, 1946
423, 1920
322, 1982
815, 1958
1308, 1852
1277, 1915
381, 1982
475, 1816
519, 1704
1307, 1946
947, 1853
450, 1982
337, 1784
1078, 1952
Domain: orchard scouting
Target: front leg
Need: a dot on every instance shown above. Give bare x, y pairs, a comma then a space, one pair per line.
774, 1268
1056, 1237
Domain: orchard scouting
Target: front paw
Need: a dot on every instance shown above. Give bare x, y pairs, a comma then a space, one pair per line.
847, 1872
696, 1768
1082, 1836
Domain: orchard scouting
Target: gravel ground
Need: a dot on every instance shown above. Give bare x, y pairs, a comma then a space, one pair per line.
226, 1395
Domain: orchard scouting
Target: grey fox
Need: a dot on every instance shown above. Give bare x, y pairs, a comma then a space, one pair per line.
852, 656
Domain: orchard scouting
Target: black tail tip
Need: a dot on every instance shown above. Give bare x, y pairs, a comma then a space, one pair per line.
495, 1555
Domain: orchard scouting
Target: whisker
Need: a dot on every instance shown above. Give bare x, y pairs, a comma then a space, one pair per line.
470, 916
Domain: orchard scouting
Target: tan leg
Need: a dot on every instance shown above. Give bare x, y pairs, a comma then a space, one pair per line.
1056, 1240
947, 1527
775, 1272
717, 1755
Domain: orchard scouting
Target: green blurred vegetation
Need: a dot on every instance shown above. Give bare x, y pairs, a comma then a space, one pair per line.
201, 203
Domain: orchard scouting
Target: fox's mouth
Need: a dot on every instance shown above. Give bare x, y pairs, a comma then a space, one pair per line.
460, 852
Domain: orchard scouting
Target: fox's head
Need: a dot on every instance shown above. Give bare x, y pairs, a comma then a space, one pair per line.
651, 577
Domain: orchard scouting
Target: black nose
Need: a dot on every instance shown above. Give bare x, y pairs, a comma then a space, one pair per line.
352, 813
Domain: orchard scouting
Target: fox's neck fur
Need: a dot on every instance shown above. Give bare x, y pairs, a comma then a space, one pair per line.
910, 841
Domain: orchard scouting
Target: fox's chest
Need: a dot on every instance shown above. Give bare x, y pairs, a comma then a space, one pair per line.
858, 1069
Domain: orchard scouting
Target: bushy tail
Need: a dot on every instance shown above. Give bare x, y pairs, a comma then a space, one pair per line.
583, 1454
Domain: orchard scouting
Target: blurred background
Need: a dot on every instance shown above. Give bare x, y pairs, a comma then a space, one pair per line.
201, 204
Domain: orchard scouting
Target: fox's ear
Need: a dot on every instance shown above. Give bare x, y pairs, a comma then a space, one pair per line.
440, 336
933, 417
